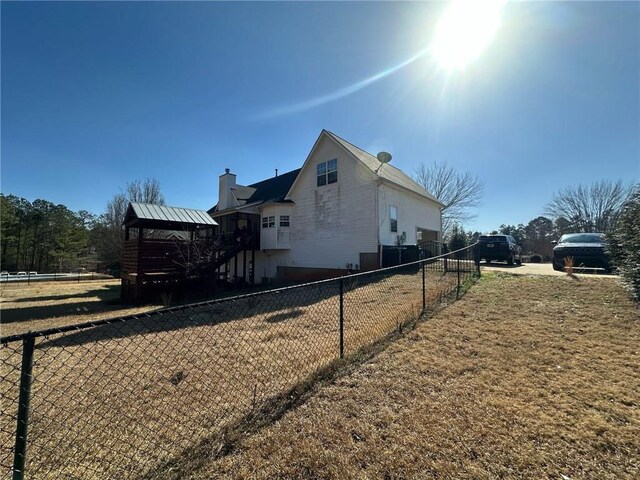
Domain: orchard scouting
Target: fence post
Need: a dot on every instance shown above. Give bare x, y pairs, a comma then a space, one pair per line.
22, 422
341, 318
424, 289
458, 268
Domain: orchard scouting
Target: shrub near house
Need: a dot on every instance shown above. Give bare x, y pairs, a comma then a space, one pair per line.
624, 244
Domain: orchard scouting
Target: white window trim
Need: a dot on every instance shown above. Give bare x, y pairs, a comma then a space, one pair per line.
391, 219
326, 173
268, 221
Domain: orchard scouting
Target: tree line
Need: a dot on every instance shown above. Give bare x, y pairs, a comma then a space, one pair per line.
46, 237
580, 208
42, 236
612, 208
535, 237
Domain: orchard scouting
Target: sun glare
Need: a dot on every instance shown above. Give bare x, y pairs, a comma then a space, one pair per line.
464, 31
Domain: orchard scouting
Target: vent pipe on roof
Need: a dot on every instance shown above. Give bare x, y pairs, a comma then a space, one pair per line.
276, 172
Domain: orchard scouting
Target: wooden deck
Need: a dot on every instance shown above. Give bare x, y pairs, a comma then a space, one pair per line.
153, 266
153, 256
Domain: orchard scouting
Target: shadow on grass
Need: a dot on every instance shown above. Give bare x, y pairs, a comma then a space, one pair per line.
284, 305
501, 265
104, 293
271, 307
268, 410
282, 317
107, 299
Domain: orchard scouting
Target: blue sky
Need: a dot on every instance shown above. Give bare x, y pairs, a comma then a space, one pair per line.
95, 95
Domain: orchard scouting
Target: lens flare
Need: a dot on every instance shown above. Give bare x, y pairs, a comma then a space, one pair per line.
338, 94
464, 31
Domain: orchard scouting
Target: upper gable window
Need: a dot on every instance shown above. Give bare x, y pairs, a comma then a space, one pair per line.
327, 172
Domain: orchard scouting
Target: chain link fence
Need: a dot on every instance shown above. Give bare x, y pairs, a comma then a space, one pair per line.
119, 398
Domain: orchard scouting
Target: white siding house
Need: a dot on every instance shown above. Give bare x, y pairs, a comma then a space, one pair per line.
331, 216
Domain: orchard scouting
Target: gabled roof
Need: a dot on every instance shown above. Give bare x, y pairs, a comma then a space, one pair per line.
278, 188
158, 216
270, 190
275, 188
385, 171
243, 194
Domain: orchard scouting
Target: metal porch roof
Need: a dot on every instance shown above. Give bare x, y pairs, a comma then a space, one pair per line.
163, 213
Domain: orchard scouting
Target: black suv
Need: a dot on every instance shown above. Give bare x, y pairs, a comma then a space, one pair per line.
498, 247
586, 249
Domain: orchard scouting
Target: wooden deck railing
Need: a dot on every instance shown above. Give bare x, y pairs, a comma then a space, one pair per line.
176, 257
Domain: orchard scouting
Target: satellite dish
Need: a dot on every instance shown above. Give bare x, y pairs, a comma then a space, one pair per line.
384, 157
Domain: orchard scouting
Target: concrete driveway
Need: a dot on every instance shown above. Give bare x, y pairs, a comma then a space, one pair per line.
535, 269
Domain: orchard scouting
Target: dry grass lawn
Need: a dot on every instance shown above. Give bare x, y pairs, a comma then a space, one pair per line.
41, 305
120, 400
528, 377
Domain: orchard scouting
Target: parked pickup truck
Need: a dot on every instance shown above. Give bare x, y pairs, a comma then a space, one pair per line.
498, 247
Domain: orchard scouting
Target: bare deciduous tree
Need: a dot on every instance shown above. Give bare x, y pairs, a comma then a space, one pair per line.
108, 233
459, 192
137, 191
144, 192
590, 208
